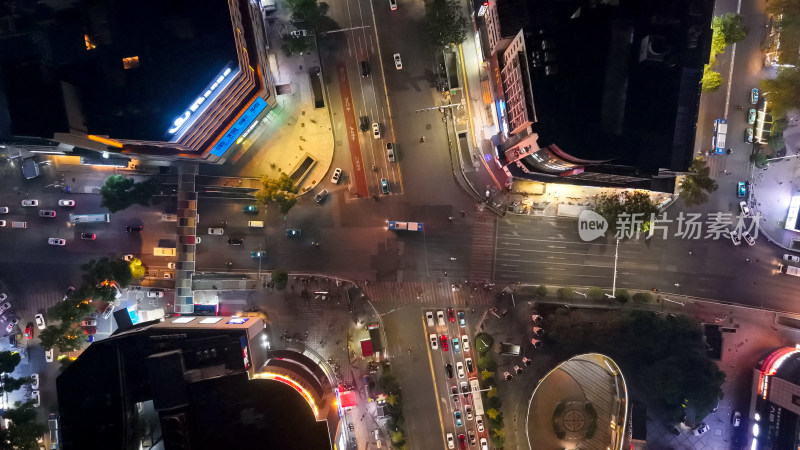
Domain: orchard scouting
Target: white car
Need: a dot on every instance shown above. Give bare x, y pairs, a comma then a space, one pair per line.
747, 238
465, 342
127, 257
376, 130
434, 341
39, 319
89, 322
440, 317
155, 294
468, 411
34, 381
5, 306
48, 355
428, 318
744, 208
37, 399
398, 63
170, 265
479, 423
66, 203
299, 33
216, 231
47, 213
736, 420
30, 203
3, 209
108, 311
787, 257
3, 296
460, 370
451, 442
337, 175
56, 241
701, 430
169, 275
393, 5
2, 223
484, 444
735, 239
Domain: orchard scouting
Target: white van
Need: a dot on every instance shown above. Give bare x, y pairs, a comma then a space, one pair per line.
255, 224
19, 224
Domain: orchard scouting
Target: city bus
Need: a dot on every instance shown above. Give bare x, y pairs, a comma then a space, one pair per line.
477, 402
89, 218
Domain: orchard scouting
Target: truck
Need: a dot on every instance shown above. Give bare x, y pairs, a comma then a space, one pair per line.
790, 270
720, 134
405, 226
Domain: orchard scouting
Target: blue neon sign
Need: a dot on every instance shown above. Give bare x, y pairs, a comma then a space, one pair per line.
239, 127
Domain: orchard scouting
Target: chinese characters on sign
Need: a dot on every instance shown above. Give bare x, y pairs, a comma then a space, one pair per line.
689, 225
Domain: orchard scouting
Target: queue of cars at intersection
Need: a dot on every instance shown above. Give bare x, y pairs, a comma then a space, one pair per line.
467, 419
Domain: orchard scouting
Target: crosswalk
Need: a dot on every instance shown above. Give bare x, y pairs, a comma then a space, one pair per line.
428, 293
483, 240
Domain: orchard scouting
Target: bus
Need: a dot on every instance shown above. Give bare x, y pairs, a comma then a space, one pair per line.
477, 402
720, 133
89, 218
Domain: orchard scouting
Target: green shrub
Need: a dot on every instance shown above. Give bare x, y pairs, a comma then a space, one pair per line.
566, 293
622, 296
483, 342
595, 294
541, 291
642, 297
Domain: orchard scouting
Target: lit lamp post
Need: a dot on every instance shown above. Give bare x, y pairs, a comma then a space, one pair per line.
614, 282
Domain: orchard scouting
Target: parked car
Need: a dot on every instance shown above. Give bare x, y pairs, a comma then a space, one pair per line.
337, 175
479, 423
39, 319
47, 213
37, 399
34, 381
5, 306
701, 430
736, 420
434, 341
460, 369
743, 207
462, 319
429, 318
443, 341
456, 345
751, 116
754, 96
2, 223
787, 257
465, 342
321, 195
3, 209
169, 275
741, 189
56, 241
451, 443
155, 294
748, 135
735, 239
232, 241
384, 185
216, 231
28, 203
747, 238
127, 257
457, 418
469, 365
440, 317
89, 322
29, 331
109, 310
398, 63
14, 321
66, 203
170, 265
48, 355
299, 33
448, 368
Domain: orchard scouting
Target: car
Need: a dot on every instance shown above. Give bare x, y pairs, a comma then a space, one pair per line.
294, 232
29, 330
735, 239
434, 341
88, 236
701, 430
751, 116
747, 238
47, 213
39, 319
456, 345
451, 443
468, 411
365, 70
451, 315
12, 324
299, 33
754, 96
134, 228
470, 368
457, 418
89, 331
462, 319
2, 223
110, 309
68, 292
398, 63
56, 241
465, 342
384, 185
66, 203
169, 276
460, 369
448, 368
337, 175
787, 257
674, 430
462, 441
393, 5
321, 195
28, 203
743, 207
484, 444
479, 423
237, 241
155, 294
454, 393
748, 135
34, 381
471, 435
390, 151
89, 322
48, 355
37, 399
429, 318
465, 389
251, 209
741, 189
363, 123
170, 265
258, 254
3, 209
736, 420
5, 306
127, 257
440, 317
376, 130
216, 231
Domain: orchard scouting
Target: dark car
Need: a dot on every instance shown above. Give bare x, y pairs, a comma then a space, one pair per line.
363, 123
451, 315
449, 369
250, 209
454, 393
232, 241
132, 228
294, 232
365, 69
70, 290
88, 236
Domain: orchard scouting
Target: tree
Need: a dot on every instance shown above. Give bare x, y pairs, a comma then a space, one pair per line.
103, 271
565, 293
281, 190
697, 184
280, 278
23, 430
445, 23
119, 193
782, 90
11, 384
487, 375
712, 80
622, 296
296, 45
483, 342
9, 361
310, 14
642, 297
492, 392
137, 268
731, 27
65, 336
486, 362
635, 208
596, 294
492, 413
541, 291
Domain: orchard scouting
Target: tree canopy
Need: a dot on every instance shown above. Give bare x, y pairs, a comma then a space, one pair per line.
9, 361
119, 192
445, 23
731, 27
296, 45
712, 80
698, 184
23, 430
611, 206
280, 190
783, 91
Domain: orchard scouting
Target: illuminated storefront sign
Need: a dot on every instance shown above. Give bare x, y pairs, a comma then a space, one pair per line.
211, 91
482, 9
293, 384
245, 354
239, 127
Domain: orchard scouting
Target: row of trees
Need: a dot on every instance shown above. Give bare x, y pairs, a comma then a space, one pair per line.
727, 29
487, 367
782, 90
396, 422
23, 430
594, 293
311, 16
119, 193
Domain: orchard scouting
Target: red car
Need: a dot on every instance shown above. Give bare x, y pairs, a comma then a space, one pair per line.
445, 345
462, 441
89, 331
29, 331
451, 315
